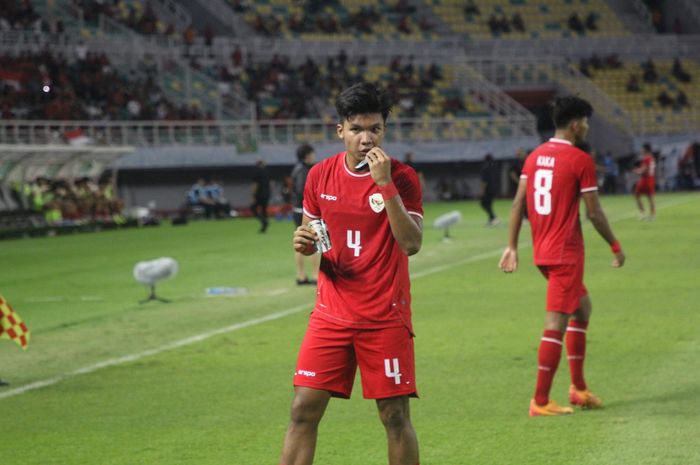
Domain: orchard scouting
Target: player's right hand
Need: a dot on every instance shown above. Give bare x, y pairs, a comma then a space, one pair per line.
619, 259
304, 240
509, 260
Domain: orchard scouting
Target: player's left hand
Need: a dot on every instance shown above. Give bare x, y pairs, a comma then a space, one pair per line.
509, 260
379, 166
619, 259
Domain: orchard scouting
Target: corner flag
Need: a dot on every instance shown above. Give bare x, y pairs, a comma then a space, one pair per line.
11, 325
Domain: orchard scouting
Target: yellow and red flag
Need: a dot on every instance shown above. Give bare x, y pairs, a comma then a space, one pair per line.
11, 325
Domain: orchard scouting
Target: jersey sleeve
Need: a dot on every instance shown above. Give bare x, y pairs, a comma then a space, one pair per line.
311, 207
588, 177
409, 189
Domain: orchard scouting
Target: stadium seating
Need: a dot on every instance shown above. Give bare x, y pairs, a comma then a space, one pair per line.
644, 106
337, 20
544, 19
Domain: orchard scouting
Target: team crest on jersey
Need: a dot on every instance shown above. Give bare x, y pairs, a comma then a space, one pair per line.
376, 202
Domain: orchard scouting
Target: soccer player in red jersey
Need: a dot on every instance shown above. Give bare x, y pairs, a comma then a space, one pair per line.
554, 178
362, 316
647, 182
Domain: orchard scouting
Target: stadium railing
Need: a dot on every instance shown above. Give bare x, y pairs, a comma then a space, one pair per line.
251, 133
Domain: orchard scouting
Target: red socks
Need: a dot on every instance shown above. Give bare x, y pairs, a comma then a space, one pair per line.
548, 358
576, 349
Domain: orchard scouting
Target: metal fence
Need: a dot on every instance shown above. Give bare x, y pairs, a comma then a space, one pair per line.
248, 134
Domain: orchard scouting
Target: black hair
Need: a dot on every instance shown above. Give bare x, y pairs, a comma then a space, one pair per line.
363, 98
303, 150
569, 108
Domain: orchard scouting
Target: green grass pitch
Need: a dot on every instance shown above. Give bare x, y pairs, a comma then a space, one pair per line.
123, 383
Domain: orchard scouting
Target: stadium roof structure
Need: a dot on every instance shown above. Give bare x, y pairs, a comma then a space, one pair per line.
27, 162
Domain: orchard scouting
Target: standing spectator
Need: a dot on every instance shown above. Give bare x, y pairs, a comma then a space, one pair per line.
555, 177
305, 160
647, 182
686, 171
261, 194
489, 186
610, 172
374, 216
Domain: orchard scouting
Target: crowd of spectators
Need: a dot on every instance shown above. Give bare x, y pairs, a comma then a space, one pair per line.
141, 19
64, 202
651, 76
18, 15
48, 85
303, 90
330, 17
677, 103
587, 66
580, 26
500, 24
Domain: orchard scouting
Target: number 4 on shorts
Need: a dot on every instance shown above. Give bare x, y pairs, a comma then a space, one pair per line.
395, 373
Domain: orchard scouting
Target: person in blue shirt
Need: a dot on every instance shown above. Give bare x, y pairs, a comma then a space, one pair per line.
610, 173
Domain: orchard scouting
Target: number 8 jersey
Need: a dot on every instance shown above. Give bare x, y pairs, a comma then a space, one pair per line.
363, 281
557, 174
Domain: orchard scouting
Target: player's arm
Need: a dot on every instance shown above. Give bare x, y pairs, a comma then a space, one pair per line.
600, 223
406, 228
514, 176
509, 259
304, 238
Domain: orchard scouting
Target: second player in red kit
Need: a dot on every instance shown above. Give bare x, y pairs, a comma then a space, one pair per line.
555, 177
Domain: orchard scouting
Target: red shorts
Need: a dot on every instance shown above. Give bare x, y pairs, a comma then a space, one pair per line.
564, 287
645, 186
330, 354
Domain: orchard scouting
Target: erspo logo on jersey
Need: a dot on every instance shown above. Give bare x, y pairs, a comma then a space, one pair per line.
308, 374
329, 197
376, 202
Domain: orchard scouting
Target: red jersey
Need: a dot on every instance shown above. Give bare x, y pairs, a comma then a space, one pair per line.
557, 173
363, 280
648, 167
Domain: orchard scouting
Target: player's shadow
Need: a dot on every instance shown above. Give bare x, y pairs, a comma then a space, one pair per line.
679, 397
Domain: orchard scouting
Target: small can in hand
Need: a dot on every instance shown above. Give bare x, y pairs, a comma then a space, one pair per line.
323, 243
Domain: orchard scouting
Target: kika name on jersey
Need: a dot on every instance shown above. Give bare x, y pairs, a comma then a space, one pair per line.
547, 162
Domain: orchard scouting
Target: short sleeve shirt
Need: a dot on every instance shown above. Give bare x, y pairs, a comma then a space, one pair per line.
363, 280
557, 174
648, 167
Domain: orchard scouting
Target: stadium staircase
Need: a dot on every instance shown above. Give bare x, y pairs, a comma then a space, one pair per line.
634, 14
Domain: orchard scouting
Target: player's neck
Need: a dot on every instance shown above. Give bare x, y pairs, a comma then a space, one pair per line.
564, 134
350, 163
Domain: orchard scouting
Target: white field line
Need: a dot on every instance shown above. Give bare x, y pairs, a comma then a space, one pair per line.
147, 353
246, 324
